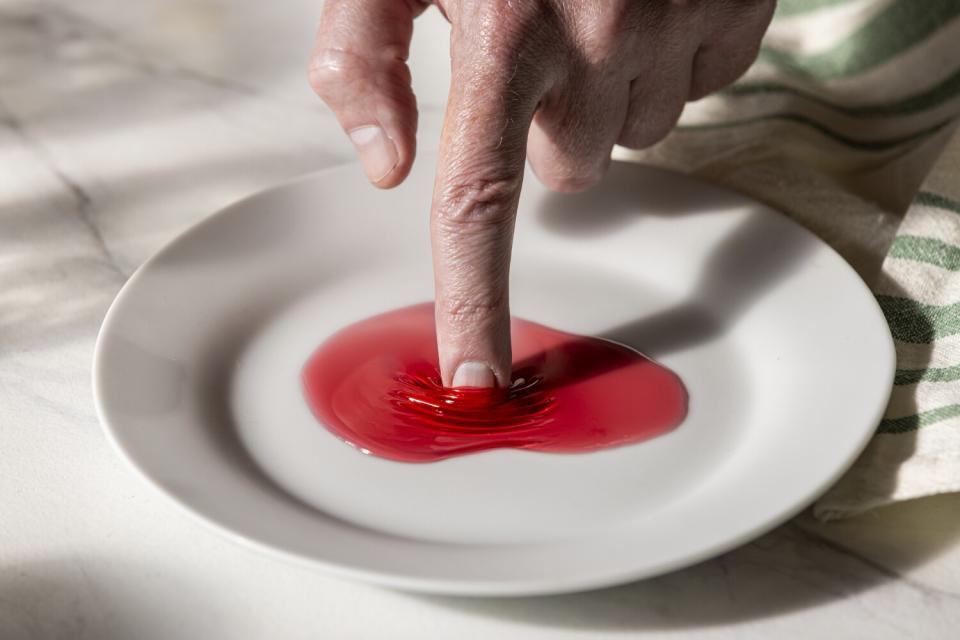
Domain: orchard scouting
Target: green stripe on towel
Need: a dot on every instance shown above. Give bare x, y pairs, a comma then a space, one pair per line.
928, 250
937, 201
935, 374
787, 8
921, 101
917, 420
918, 323
853, 143
898, 28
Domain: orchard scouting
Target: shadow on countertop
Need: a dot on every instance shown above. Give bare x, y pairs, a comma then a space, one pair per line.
800, 565
90, 599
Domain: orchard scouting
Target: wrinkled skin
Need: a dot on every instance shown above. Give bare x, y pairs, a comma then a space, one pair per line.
558, 82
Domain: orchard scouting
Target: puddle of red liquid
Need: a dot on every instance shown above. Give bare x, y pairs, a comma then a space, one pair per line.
376, 385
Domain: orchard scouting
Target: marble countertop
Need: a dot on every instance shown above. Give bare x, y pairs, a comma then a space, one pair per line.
122, 123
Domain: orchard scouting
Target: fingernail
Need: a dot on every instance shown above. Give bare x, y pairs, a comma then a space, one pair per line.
474, 374
378, 155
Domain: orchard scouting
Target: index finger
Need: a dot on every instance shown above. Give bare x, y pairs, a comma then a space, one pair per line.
479, 176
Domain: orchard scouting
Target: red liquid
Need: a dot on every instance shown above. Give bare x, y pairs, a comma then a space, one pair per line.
376, 385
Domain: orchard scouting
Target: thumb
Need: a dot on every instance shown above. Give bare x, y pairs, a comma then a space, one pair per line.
358, 67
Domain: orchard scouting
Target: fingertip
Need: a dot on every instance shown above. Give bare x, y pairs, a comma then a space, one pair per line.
389, 181
566, 162
377, 152
473, 341
380, 156
568, 183
400, 170
477, 375
556, 177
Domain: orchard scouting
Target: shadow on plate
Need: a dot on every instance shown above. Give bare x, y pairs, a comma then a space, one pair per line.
798, 565
629, 190
750, 260
753, 258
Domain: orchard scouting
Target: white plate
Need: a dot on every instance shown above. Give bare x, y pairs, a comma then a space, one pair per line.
785, 354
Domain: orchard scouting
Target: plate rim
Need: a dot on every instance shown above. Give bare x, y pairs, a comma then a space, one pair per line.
468, 586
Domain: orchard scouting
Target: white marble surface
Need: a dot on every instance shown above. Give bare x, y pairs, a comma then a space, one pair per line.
121, 123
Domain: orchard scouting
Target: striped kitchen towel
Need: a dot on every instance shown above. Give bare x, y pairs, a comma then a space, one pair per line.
847, 122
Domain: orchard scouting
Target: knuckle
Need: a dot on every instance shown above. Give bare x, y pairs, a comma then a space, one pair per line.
497, 33
509, 16
483, 201
331, 69
472, 307
760, 10
601, 33
473, 312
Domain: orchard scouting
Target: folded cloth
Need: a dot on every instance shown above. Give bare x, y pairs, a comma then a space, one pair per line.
847, 122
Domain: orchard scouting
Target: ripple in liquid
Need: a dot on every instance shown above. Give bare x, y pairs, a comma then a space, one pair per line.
376, 385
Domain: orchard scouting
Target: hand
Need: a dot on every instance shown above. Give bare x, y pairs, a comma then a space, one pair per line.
558, 81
